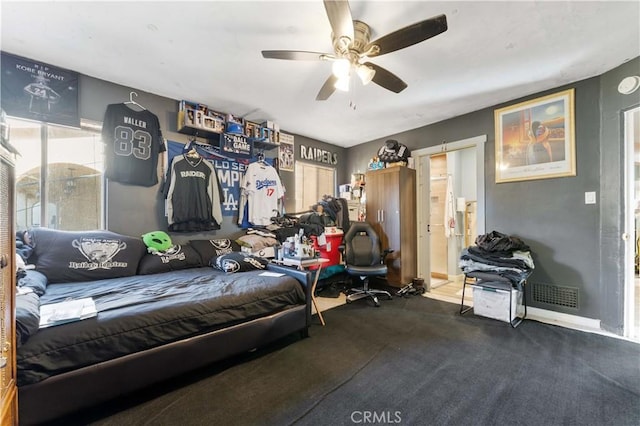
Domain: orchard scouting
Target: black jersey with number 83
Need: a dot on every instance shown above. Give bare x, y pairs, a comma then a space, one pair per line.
132, 141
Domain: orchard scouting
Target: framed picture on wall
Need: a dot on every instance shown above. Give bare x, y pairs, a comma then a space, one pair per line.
38, 91
286, 156
535, 139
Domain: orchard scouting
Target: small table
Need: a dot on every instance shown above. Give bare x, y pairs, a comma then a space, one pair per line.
302, 264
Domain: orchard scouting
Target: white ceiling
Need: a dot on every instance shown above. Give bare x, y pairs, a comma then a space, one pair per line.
209, 52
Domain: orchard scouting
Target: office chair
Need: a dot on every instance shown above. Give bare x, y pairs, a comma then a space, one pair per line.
363, 259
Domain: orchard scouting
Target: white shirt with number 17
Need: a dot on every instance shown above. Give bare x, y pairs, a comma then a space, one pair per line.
261, 188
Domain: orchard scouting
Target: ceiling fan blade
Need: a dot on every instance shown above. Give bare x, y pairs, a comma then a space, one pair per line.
340, 19
387, 79
327, 88
408, 36
296, 55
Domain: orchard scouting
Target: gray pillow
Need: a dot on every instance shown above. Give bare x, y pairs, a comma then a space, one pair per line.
27, 316
238, 262
34, 280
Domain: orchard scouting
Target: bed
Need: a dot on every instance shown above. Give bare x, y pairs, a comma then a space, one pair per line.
149, 328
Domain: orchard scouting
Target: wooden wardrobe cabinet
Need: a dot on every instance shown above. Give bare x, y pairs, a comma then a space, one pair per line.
391, 210
8, 390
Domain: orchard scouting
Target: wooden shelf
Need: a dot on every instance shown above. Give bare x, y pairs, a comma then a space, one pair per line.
262, 143
196, 131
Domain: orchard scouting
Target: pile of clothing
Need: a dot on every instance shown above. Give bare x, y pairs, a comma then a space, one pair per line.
498, 257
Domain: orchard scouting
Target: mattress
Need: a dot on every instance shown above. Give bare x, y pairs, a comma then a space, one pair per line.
141, 312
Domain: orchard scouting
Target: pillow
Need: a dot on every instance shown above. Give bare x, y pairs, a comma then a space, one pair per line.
34, 280
27, 316
177, 257
72, 256
238, 262
208, 249
257, 242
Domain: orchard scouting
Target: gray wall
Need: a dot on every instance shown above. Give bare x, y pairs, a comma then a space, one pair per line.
573, 244
135, 210
288, 178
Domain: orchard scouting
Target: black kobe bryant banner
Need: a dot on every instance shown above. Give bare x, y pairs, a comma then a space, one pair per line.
39, 91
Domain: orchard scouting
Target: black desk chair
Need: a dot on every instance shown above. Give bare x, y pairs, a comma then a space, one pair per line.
363, 258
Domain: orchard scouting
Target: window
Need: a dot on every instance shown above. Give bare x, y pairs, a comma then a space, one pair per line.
312, 183
62, 169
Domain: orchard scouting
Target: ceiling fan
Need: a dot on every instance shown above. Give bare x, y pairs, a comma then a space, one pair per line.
352, 48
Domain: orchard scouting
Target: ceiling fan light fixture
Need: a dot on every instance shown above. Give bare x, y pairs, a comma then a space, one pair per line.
366, 73
342, 84
341, 68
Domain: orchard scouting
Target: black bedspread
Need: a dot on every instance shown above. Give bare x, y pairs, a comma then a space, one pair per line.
141, 312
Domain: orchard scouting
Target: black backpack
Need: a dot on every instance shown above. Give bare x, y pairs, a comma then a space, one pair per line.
392, 152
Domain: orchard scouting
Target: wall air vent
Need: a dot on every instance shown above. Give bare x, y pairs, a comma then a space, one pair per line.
556, 295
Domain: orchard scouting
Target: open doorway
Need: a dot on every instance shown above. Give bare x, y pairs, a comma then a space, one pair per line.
632, 223
450, 203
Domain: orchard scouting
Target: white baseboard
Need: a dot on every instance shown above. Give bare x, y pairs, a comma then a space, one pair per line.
565, 320
456, 278
574, 322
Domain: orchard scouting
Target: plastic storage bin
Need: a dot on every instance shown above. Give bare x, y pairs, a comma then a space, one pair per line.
494, 303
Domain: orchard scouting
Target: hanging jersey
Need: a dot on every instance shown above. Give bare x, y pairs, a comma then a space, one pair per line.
261, 189
132, 141
193, 195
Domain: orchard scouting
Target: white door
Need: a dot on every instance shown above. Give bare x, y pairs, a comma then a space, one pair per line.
632, 219
424, 209
422, 161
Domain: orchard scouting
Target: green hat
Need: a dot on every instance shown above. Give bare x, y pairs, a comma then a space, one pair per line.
157, 241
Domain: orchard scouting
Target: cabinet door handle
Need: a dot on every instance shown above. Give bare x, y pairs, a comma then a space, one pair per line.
3, 261
382, 215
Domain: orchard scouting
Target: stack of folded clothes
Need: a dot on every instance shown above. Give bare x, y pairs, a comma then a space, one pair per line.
499, 258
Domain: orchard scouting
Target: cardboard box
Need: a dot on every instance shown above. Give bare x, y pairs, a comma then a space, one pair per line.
213, 124
269, 125
266, 134
494, 303
251, 129
344, 188
355, 208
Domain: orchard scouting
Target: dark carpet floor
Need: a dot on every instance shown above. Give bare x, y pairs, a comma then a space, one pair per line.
413, 361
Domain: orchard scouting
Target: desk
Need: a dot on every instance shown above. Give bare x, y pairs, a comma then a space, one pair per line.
303, 264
